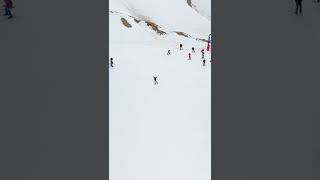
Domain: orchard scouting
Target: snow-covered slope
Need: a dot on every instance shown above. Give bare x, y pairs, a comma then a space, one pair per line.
170, 15
159, 131
203, 7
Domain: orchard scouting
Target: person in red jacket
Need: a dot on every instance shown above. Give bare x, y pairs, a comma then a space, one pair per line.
208, 47
8, 5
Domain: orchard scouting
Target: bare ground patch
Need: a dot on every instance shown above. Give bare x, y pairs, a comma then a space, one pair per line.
182, 34
125, 23
189, 3
204, 40
188, 36
155, 27
136, 20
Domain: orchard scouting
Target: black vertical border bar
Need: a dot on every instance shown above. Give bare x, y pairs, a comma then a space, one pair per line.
213, 90
54, 91
280, 138
106, 155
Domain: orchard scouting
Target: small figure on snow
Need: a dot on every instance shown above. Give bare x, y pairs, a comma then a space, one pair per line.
7, 6
298, 7
193, 51
155, 80
202, 51
189, 56
180, 46
168, 53
111, 62
204, 62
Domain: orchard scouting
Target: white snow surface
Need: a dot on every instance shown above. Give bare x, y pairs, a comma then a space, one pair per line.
171, 15
162, 131
203, 7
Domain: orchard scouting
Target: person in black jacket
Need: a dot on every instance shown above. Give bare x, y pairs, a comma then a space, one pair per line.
202, 52
298, 7
111, 62
155, 80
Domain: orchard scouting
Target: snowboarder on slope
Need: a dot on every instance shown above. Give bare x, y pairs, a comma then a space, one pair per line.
168, 53
7, 6
155, 80
204, 62
193, 51
111, 62
298, 7
180, 46
189, 56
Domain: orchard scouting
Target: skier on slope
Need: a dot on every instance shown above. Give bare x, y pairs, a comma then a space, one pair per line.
208, 47
204, 62
298, 7
8, 5
189, 56
168, 53
180, 46
202, 51
111, 62
193, 51
155, 80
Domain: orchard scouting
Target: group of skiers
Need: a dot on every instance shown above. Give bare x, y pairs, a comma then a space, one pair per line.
189, 54
8, 5
169, 53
